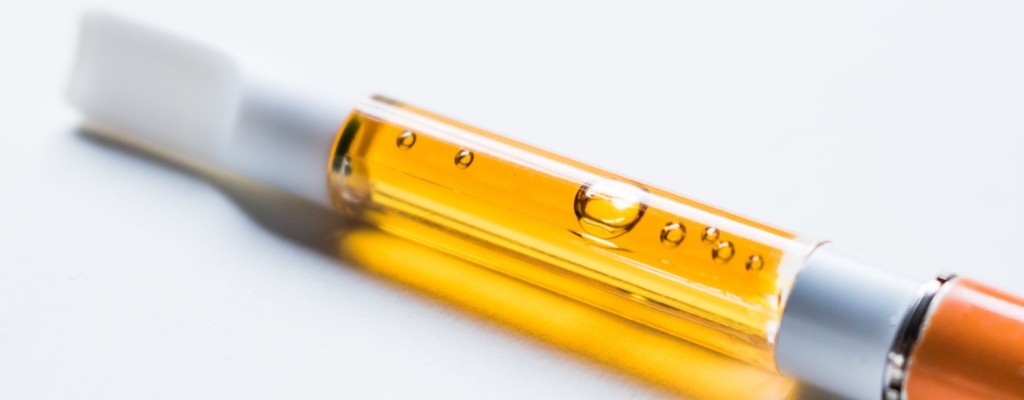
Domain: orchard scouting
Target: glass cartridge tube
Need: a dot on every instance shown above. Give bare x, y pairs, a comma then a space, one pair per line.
663, 260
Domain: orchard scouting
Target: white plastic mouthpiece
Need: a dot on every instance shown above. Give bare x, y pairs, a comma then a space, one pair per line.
194, 101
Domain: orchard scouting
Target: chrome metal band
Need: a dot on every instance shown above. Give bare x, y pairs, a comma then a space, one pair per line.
895, 374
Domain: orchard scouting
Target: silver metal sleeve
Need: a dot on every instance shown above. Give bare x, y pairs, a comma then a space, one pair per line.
840, 322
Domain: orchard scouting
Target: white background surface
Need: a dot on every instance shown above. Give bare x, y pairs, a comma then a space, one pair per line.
892, 127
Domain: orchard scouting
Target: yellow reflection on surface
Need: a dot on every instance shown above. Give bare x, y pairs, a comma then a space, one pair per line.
676, 366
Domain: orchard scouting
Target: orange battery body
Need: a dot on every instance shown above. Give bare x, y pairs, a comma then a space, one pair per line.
971, 347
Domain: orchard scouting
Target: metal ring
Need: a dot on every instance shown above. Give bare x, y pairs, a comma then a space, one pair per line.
898, 359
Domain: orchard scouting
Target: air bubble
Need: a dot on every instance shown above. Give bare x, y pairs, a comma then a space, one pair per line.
463, 158
608, 209
755, 263
723, 251
406, 140
710, 235
673, 234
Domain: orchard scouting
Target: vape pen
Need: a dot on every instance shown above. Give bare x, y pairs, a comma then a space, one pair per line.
764, 295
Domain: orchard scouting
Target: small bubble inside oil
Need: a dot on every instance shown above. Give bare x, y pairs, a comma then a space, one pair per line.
608, 209
406, 140
673, 234
755, 263
463, 159
710, 235
723, 251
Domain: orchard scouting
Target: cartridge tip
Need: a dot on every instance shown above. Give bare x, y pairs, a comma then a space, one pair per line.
153, 89
139, 81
